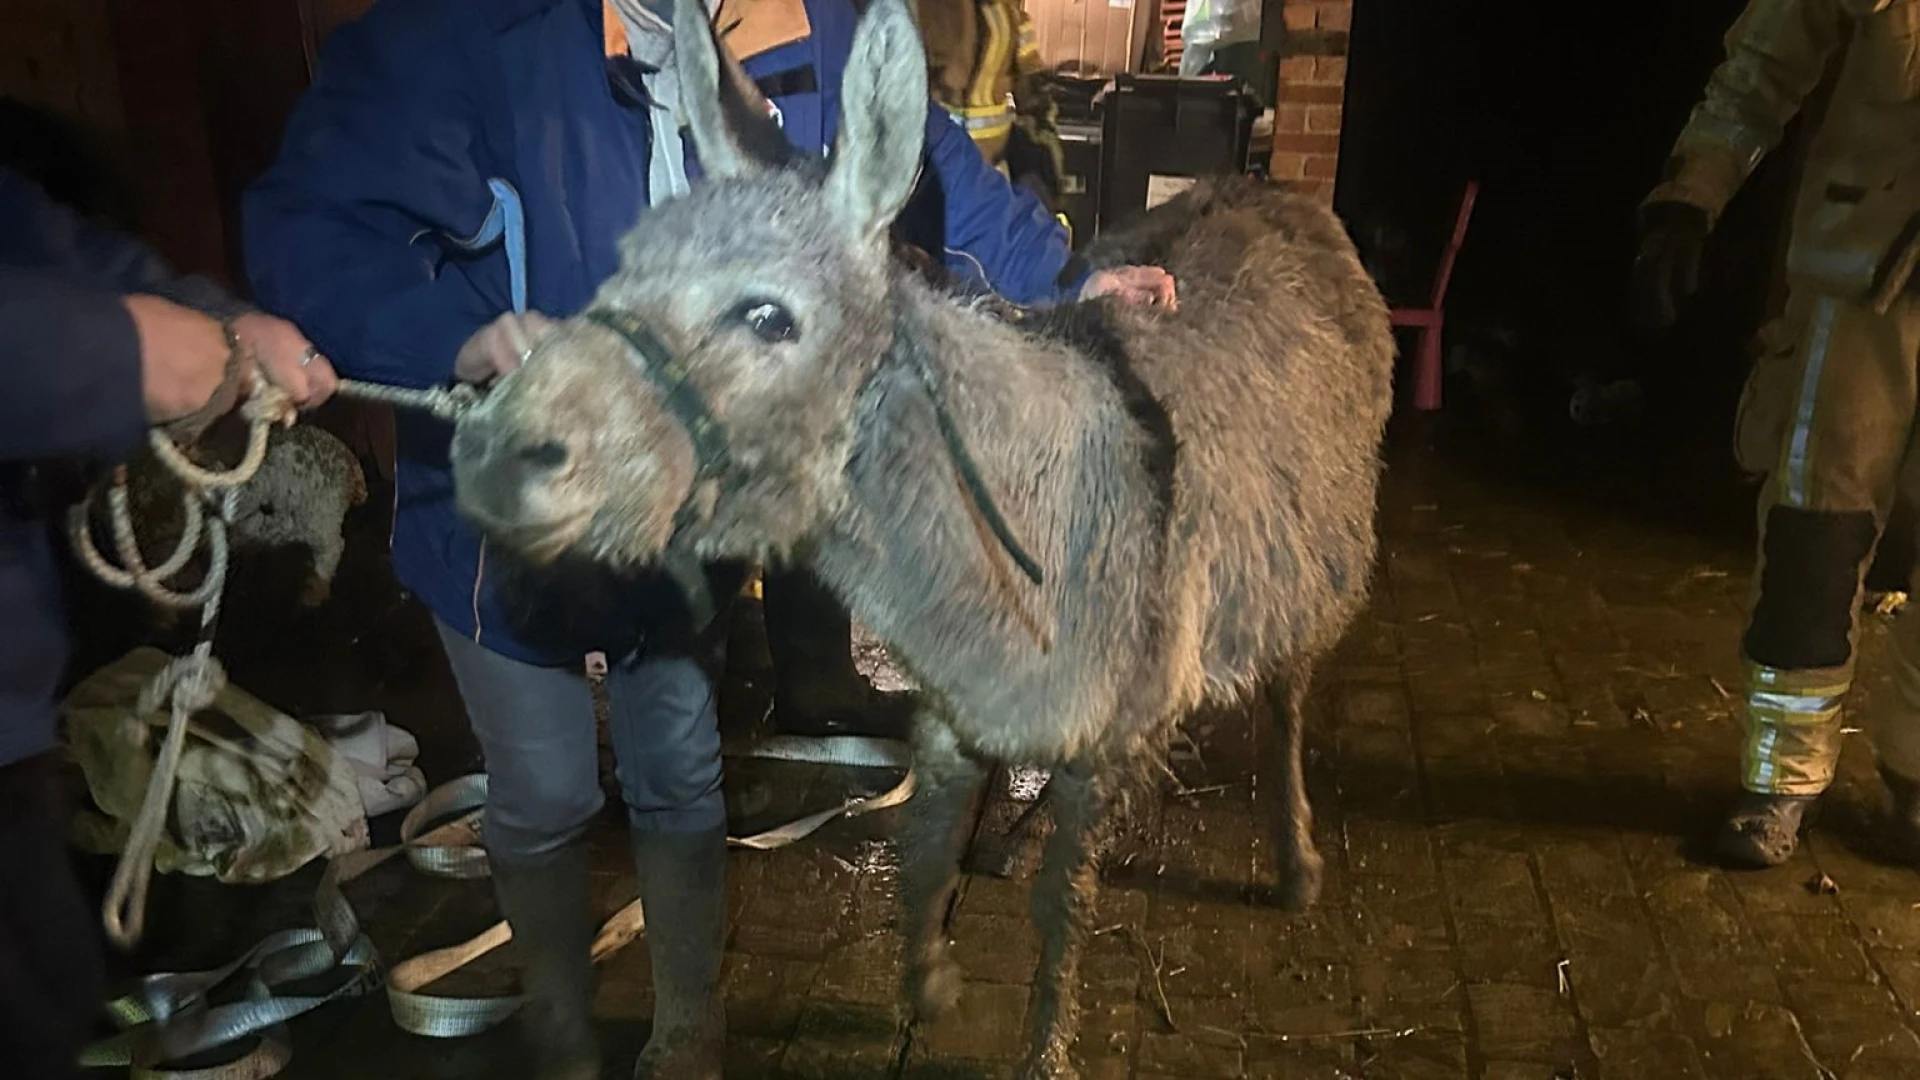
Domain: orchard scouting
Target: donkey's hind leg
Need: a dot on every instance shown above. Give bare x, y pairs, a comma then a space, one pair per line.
1300, 862
936, 834
1063, 898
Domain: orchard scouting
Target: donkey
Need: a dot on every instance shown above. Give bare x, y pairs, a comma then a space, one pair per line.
1074, 527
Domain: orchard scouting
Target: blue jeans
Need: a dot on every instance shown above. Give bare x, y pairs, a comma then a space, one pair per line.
536, 729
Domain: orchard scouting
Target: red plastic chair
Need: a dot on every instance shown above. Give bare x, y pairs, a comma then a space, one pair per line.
1430, 320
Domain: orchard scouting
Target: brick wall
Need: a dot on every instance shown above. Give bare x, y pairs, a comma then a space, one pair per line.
1313, 84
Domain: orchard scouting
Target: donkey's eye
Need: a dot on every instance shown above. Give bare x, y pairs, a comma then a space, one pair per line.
769, 321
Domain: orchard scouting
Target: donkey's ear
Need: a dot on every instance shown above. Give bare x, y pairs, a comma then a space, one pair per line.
883, 120
697, 57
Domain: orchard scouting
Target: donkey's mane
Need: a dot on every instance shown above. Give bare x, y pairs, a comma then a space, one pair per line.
1089, 329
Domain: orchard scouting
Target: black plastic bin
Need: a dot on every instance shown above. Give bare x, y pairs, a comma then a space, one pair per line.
1073, 96
1158, 132
1080, 187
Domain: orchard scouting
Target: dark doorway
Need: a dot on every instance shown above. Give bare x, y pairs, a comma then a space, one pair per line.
1566, 122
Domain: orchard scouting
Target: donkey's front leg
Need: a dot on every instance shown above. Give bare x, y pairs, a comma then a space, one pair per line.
1300, 862
1062, 902
936, 834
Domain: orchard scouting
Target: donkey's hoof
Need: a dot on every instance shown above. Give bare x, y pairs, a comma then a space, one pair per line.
1300, 883
936, 990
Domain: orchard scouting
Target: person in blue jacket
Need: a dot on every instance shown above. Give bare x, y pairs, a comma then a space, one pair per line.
98, 339
426, 119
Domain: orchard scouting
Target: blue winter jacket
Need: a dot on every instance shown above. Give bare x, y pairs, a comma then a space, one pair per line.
70, 392
413, 110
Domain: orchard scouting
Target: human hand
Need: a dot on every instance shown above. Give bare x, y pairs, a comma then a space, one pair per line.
288, 358
500, 346
1149, 285
1666, 271
183, 356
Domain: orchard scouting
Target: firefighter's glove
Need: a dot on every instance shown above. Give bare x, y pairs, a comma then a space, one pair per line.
1667, 269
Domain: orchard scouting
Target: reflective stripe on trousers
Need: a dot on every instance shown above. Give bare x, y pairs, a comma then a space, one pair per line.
1792, 731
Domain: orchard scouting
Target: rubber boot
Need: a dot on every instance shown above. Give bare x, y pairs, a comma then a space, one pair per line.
546, 902
1762, 830
683, 889
1904, 811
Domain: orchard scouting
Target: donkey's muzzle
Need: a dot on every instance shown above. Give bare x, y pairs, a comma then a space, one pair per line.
514, 488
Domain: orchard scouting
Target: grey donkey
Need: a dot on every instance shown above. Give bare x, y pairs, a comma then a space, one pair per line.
1075, 527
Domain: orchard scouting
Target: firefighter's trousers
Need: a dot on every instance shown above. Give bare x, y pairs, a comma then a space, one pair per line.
1828, 415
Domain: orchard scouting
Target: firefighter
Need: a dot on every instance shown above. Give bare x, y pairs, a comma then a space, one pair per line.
1828, 412
984, 70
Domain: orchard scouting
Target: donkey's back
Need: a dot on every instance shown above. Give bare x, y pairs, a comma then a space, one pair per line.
1276, 376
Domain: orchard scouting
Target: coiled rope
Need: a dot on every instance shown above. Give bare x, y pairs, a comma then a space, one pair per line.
192, 682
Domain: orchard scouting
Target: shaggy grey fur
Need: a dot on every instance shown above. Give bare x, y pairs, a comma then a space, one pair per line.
307, 482
1177, 575
300, 498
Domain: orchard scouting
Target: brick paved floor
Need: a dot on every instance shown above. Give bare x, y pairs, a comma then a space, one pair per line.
1510, 758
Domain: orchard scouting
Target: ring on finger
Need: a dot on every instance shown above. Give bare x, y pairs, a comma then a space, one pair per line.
307, 357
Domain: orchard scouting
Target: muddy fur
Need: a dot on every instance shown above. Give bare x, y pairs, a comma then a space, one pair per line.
299, 498
1198, 486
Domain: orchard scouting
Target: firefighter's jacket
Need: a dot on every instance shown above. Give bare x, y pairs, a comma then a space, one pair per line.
1858, 209
985, 70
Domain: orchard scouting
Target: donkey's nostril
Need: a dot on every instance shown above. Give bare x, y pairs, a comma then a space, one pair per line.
545, 455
